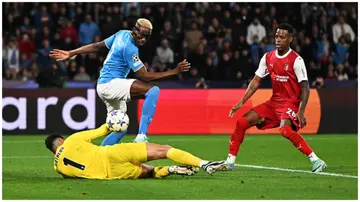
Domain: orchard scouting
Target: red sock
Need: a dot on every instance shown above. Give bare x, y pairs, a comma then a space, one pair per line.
237, 136
297, 140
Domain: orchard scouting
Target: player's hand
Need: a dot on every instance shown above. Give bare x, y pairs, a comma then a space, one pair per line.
234, 109
59, 55
183, 66
302, 120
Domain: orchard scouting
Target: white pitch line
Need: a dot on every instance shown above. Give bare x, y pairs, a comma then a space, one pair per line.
26, 157
239, 165
22, 141
296, 171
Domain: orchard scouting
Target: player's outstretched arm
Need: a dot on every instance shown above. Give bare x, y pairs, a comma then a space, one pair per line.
304, 97
143, 74
60, 55
252, 88
89, 135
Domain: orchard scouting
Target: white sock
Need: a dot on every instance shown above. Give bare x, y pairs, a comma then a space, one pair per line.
202, 162
231, 158
313, 157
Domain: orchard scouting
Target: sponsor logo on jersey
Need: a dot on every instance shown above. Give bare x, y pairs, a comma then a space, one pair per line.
279, 78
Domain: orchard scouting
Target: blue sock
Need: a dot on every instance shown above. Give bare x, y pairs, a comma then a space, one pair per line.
113, 138
148, 109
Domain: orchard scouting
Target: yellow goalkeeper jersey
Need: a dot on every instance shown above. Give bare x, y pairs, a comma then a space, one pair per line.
77, 157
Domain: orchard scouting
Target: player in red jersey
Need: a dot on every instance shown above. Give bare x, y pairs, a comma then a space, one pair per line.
287, 105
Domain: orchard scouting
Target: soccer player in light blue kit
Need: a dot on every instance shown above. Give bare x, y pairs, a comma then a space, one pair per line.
113, 86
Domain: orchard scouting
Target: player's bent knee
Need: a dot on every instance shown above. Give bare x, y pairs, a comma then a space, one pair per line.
167, 147
154, 91
139, 88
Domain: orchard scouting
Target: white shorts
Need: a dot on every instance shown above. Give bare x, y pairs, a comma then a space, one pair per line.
115, 94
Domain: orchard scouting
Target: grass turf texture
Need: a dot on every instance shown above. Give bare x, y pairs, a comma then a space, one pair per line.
28, 171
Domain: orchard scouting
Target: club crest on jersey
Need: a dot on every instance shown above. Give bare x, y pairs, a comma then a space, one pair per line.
286, 67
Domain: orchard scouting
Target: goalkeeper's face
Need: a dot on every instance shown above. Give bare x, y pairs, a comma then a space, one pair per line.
52, 142
57, 143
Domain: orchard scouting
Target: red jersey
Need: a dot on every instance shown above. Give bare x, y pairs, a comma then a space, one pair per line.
286, 72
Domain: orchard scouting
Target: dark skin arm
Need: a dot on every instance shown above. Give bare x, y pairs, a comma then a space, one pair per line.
304, 97
60, 55
252, 88
94, 47
144, 75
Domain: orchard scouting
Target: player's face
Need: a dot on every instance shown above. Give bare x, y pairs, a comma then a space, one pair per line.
141, 35
282, 39
58, 142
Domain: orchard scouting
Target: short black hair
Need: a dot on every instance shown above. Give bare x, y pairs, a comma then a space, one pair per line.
286, 26
49, 141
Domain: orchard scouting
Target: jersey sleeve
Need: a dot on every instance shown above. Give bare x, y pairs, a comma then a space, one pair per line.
110, 40
89, 135
262, 70
300, 69
133, 59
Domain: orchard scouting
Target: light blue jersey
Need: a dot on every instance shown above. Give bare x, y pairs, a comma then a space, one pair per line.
123, 56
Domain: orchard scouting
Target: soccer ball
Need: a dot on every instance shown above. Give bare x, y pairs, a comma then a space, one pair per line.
117, 121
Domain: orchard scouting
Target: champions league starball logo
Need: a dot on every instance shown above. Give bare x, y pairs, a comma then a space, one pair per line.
135, 58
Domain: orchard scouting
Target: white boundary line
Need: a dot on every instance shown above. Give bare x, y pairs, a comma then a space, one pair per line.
296, 171
21, 141
238, 165
26, 157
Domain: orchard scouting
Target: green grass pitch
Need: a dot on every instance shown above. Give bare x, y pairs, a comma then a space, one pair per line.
28, 173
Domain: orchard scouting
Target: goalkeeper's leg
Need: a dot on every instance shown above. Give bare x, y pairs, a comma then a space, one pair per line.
156, 151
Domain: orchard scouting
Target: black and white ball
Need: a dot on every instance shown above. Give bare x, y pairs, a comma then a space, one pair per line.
117, 121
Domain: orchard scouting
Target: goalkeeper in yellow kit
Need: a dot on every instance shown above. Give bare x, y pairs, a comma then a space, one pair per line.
77, 157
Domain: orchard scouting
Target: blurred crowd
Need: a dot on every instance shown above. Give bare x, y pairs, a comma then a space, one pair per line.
223, 41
